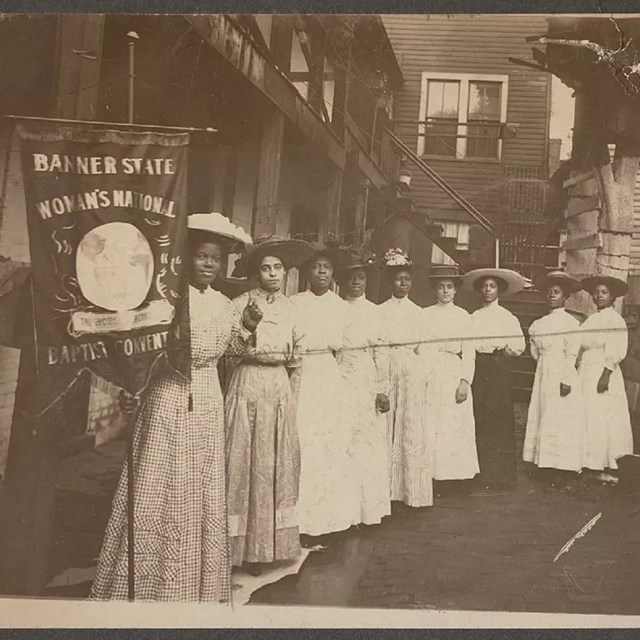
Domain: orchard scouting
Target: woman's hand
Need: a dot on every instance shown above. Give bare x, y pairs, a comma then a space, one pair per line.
128, 403
382, 403
603, 383
565, 389
462, 391
251, 316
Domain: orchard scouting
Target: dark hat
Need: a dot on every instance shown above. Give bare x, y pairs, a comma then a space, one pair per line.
617, 287
357, 258
569, 285
513, 281
292, 252
331, 248
444, 272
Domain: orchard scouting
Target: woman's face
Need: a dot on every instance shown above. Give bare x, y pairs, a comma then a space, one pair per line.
556, 297
490, 290
355, 283
320, 274
271, 273
206, 262
401, 283
445, 291
602, 297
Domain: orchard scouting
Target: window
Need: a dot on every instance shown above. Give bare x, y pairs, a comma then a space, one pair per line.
457, 230
461, 116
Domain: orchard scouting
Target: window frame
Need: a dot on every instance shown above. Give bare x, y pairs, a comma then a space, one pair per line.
463, 111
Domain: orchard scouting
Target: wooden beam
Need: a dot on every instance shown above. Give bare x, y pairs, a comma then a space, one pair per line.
219, 31
578, 206
265, 215
590, 241
577, 179
330, 223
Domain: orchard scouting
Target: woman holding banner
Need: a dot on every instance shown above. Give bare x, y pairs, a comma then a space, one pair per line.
181, 538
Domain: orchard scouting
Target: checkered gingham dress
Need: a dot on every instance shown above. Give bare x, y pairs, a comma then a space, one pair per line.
181, 541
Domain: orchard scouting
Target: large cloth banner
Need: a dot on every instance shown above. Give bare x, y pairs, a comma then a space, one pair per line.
107, 225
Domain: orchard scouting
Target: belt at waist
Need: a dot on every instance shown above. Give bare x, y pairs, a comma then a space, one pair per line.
258, 363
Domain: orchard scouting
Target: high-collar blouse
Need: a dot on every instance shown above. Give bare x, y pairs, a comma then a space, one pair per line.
364, 336
274, 341
447, 329
606, 330
401, 322
495, 327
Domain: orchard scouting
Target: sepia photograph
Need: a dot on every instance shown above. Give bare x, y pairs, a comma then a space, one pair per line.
329, 312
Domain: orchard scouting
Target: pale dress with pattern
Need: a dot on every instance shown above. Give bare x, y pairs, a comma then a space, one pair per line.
555, 436
409, 440
328, 498
181, 542
364, 364
263, 454
604, 342
447, 354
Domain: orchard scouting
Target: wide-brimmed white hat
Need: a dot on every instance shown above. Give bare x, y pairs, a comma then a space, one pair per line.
513, 281
221, 226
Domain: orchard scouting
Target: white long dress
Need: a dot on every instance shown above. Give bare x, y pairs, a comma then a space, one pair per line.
364, 365
604, 342
448, 356
408, 439
328, 498
555, 436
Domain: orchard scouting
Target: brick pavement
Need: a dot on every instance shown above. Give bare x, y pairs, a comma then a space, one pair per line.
466, 552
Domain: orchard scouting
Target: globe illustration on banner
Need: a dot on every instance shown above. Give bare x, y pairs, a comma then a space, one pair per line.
114, 266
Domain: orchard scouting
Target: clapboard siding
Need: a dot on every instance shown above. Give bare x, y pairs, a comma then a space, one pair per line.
634, 267
472, 44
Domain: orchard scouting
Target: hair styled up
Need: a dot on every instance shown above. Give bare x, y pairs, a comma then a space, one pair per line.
502, 284
196, 238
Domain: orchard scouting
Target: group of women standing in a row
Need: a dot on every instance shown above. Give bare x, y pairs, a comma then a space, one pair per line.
337, 406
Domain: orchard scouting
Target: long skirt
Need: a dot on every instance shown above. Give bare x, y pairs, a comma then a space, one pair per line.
555, 436
180, 517
368, 436
328, 500
263, 465
608, 433
409, 439
495, 424
454, 452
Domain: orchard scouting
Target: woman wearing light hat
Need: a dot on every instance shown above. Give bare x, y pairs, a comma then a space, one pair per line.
364, 363
498, 337
604, 342
448, 356
263, 453
181, 538
555, 435
411, 473
328, 501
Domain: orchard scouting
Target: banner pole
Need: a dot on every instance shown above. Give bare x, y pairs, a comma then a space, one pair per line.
131, 417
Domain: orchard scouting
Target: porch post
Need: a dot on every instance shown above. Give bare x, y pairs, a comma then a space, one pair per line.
266, 202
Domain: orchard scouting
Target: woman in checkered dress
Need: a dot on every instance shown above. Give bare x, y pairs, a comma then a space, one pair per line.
181, 540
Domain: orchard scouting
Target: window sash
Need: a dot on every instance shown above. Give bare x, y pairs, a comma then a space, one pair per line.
487, 144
